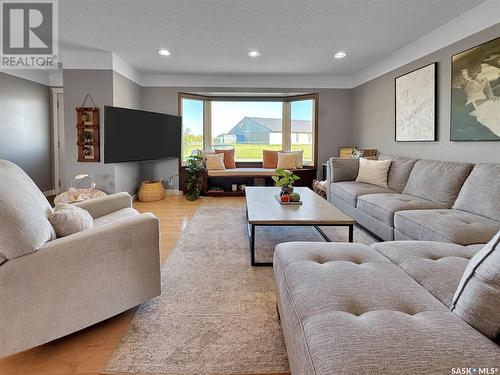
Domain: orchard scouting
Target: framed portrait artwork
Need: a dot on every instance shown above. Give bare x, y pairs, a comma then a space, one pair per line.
415, 105
475, 93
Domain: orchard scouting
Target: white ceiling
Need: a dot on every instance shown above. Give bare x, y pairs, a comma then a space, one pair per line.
214, 36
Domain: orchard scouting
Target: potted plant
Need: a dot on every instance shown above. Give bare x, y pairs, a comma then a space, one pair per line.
194, 176
285, 179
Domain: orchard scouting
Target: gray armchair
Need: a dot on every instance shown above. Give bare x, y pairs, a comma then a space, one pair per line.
51, 287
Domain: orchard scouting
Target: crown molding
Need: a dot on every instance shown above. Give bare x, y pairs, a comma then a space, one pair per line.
481, 17
250, 81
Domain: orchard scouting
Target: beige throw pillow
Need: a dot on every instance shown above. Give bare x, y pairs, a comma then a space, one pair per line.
373, 171
287, 160
68, 219
215, 161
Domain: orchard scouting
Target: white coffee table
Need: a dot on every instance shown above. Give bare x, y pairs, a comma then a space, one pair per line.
264, 210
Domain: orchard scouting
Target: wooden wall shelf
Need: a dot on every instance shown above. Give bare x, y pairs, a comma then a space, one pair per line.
88, 129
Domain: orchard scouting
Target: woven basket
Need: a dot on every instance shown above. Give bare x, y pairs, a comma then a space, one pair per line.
151, 191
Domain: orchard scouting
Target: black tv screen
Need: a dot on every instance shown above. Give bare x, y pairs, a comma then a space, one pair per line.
133, 135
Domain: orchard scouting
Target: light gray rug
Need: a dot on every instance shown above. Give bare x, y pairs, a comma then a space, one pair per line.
216, 313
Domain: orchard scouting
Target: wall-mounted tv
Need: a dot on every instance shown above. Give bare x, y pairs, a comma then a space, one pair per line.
133, 135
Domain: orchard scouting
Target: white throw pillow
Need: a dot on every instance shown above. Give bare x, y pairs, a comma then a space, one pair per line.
215, 162
373, 171
287, 160
68, 219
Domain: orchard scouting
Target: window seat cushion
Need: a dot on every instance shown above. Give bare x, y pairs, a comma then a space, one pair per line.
243, 172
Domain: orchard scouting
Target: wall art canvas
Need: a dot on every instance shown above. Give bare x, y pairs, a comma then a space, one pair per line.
416, 105
475, 93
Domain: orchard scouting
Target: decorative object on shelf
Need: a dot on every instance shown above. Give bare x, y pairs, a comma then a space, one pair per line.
87, 124
285, 179
356, 153
151, 191
243, 187
194, 176
416, 105
475, 93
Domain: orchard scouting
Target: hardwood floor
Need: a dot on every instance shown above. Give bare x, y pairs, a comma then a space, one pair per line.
86, 352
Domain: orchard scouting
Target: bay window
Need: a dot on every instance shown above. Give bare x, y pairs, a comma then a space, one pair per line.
249, 125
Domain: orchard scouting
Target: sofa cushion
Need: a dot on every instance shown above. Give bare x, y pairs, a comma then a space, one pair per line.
229, 161
383, 206
344, 307
437, 266
399, 171
349, 191
477, 299
241, 172
373, 171
480, 193
23, 213
437, 181
445, 225
115, 216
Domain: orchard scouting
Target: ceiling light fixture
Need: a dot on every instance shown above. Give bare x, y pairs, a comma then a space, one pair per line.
164, 52
254, 53
340, 55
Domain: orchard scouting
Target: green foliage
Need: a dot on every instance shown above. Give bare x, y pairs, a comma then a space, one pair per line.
194, 169
284, 177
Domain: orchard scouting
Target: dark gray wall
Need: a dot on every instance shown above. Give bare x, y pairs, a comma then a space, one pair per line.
374, 108
77, 83
25, 128
127, 94
334, 119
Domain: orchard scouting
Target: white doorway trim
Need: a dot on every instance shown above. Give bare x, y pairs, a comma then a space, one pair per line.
57, 133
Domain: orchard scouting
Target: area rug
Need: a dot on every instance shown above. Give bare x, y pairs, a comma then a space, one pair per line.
216, 313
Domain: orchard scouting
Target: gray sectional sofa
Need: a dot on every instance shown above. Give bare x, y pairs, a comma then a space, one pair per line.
425, 199
403, 307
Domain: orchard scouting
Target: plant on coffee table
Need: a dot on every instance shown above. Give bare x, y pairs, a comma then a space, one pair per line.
285, 179
194, 176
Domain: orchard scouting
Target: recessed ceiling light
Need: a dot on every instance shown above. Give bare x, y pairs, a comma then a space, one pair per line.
164, 52
254, 53
340, 54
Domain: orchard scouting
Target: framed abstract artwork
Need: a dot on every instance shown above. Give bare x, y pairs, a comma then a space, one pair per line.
416, 105
475, 93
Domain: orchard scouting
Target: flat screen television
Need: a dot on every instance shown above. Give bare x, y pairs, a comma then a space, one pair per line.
133, 135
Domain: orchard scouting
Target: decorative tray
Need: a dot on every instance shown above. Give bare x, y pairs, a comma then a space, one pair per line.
277, 196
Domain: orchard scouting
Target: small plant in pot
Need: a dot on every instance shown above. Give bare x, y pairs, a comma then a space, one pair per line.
194, 176
285, 179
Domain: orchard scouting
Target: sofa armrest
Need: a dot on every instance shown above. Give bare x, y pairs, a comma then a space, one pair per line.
118, 233
342, 169
101, 206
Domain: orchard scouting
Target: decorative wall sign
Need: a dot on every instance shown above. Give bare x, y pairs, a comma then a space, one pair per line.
475, 93
416, 105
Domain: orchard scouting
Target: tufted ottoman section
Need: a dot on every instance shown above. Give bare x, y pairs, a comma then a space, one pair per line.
445, 225
437, 266
347, 309
383, 206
